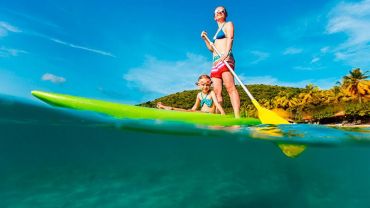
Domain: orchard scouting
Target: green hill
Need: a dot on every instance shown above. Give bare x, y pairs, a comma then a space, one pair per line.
347, 102
186, 99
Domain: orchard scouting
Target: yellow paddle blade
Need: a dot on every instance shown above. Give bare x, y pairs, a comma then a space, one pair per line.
269, 117
292, 150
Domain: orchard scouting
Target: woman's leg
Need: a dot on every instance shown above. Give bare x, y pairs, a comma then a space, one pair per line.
228, 80
217, 88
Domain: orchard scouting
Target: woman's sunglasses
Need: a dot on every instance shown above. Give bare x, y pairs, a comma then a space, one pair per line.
220, 11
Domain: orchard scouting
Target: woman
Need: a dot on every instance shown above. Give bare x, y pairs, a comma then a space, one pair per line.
220, 74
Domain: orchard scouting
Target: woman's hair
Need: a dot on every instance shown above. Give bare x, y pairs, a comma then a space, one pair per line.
203, 76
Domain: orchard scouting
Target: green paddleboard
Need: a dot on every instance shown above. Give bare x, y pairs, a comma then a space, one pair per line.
136, 112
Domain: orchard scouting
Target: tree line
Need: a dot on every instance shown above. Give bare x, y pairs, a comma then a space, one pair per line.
347, 99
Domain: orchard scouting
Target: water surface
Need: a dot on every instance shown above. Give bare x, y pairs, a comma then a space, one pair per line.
52, 157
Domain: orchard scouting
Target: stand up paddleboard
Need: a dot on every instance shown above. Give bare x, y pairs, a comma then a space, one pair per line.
136, 112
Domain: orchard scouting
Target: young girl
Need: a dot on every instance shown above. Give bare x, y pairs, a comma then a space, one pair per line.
206, 98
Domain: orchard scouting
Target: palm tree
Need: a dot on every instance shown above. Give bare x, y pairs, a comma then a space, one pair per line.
267, 103
356, 85
310, 96
329, 96
285, 100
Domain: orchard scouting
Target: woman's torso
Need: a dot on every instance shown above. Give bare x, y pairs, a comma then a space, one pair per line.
220, 41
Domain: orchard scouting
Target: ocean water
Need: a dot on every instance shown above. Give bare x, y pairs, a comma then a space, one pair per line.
52, 157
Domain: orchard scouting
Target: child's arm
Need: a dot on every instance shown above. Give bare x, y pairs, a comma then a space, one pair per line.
218, 106
196, 104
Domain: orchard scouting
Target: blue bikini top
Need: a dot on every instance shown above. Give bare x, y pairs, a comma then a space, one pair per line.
220, 34
205, 100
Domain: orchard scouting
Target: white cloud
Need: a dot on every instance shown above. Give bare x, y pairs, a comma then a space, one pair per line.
315, 59
5, 28
53, 78
6, 52
82, 48
324, 49
304, 68
33, 19
357, 29
165, 77
341, 56
269, 80
292, 51
356, 56
260, 56
352, 19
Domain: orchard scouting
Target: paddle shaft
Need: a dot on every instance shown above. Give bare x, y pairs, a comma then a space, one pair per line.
230, 69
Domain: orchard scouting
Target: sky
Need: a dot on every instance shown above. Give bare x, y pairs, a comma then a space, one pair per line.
135, 51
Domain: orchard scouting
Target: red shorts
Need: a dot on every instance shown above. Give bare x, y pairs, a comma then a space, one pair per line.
219, 68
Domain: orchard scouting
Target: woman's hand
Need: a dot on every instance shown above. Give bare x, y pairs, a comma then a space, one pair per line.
203, 35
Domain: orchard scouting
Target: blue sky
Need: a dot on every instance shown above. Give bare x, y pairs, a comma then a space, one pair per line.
135, 51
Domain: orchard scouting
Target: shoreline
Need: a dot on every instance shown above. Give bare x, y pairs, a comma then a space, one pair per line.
348, 125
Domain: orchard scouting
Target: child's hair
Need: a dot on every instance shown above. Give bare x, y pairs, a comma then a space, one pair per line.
203, 76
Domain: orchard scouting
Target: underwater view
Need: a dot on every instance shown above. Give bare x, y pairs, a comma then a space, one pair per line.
52, 157
185, 104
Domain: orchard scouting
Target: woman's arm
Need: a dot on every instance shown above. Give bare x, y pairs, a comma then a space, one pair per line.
197, 103
202, 35
215, 101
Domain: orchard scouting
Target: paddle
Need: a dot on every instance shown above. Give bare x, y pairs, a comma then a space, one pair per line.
265, 115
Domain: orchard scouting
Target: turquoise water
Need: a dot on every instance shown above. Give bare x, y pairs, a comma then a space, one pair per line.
51, 157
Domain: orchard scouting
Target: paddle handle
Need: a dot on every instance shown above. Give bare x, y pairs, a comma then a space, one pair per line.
230, 69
